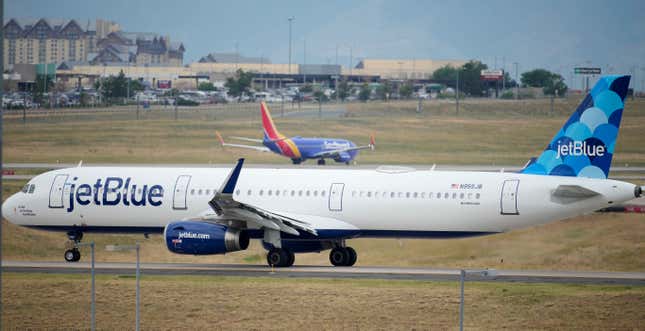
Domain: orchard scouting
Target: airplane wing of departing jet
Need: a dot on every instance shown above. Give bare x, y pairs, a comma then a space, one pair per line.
225, 208
336, 152
257, 148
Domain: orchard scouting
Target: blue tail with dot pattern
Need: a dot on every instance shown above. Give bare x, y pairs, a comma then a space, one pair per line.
585, 145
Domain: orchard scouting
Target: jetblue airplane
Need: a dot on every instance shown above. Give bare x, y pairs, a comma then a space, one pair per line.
204, 211
299, 149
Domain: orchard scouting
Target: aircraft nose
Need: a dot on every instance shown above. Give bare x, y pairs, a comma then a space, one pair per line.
9, 208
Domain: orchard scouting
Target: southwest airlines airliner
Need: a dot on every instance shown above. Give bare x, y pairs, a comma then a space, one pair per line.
299, 149
218, 210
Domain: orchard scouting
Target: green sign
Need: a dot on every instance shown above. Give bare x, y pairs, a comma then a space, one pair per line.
48, 69
586, 71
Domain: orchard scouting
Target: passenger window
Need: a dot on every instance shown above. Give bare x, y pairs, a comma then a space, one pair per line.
237, 192
307, 192
470, 195
438, 195
392, 194
415, 195
430, 195
277, 192
300, 193
249, 192
315, 193
477, 196
261, 191
407, 194
269, 192
446, 195
369, 194
293, 192
208, 191
400, 194
322, 193
199, 192
423, 195
454, 195
461, 196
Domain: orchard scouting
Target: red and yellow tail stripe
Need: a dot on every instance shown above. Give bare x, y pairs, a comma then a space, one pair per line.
287, 146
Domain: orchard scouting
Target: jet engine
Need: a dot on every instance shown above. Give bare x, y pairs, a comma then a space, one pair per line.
203, 238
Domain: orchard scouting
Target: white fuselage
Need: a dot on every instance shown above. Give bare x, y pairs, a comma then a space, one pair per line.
413, 203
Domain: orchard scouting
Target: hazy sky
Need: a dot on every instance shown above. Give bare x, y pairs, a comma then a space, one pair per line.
556, 35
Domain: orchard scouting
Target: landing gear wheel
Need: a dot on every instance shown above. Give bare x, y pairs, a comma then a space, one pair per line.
321, 162
343, 256
280, 258
352, 256
338, 256
72, 255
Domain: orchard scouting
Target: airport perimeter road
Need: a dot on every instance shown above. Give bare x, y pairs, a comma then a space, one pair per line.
242, 270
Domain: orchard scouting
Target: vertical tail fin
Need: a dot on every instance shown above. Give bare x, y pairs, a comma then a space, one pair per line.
584, 146
270, 131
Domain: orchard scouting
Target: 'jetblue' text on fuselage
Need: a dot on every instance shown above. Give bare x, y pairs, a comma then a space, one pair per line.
113, 191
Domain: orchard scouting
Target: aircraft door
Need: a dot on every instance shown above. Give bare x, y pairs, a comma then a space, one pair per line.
57, 191
336, 197
180, 193
509, 197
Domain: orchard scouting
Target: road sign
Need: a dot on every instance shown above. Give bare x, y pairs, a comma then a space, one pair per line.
492, 74
586, 71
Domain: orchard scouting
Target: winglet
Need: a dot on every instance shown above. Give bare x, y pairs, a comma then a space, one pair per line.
219, 137
229, 184
372, 142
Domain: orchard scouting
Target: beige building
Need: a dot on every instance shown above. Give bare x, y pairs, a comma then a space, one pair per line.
400, 69
47, 41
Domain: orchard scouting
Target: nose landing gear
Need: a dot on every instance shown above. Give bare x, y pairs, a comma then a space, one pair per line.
72, 254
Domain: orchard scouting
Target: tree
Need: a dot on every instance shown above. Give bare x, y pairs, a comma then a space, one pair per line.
42, 84
343, 90
551, 83
364, 93
445, 75
555, 86
537, 78
383, 90
406, 90
307, 88
206, 86
240, 84
470, 78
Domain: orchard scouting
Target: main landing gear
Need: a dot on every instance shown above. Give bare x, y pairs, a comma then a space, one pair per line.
343, 256
278, 257
73, 254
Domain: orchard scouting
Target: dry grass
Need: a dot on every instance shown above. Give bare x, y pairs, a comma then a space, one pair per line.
485, 132
35, 301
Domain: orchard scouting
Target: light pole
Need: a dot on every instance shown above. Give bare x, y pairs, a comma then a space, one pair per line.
290, 19
517, 82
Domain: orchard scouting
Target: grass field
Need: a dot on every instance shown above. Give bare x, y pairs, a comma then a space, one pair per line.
485, 132
34, 301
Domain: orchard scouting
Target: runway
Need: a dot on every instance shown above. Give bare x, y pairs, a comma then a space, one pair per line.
394, 273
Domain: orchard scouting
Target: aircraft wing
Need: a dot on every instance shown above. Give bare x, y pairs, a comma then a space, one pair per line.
253, 140
256, 148
225, 209
336, 152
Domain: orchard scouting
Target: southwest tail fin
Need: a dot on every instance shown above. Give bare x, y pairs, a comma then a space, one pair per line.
270, 131
584, 146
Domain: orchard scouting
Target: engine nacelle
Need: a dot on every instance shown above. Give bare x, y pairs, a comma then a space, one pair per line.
203, 238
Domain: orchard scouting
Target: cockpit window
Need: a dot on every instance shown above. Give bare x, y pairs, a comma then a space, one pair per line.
29, 188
